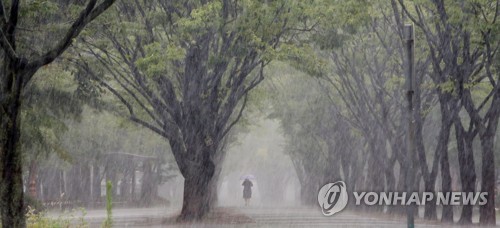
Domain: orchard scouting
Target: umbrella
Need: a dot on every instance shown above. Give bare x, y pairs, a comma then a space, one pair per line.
248, 176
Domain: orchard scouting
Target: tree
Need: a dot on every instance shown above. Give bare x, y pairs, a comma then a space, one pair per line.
318, 138
46, 104
455, 64
18, 68
463, 43
184, 70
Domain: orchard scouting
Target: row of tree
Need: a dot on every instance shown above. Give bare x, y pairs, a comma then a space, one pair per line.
179, 69
22, 25
184, 69
72, 143
356, 123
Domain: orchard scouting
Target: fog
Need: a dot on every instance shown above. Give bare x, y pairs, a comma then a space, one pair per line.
260, 152
249, 113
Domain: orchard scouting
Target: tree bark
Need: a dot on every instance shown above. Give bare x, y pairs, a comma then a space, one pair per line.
198, 169
12, 195
133, 181
12, 179
32, 179
198, 190
309, 191
429, 176
96, 184
448, 113
447, 214
197, 194
487, 212
85, 184
146, 188
430, 207
467, 168
376, 168
214, 185
441, 157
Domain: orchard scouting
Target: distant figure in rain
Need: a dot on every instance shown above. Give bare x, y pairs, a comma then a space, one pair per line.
247, 191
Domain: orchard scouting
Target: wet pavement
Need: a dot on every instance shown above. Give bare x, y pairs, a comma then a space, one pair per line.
248, 217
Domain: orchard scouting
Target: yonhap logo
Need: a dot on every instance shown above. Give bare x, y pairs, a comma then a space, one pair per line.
332, 198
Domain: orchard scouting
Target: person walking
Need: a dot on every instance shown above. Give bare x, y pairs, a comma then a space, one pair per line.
247, 191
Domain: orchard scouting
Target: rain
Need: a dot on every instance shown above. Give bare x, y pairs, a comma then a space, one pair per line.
249, 113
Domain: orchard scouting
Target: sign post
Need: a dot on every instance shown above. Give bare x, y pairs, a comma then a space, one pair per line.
409, 73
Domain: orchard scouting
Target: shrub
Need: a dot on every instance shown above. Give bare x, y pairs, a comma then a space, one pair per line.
36, 219
109, 205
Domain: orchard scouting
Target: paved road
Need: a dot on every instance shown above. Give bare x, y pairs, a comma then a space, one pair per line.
259, 217
129, 217
307, 217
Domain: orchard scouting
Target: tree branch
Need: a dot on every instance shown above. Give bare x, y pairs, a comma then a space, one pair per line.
3, 16
5, 44
86, 16
124, 101
240, 114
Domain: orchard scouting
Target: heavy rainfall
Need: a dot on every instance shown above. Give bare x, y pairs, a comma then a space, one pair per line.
249, 113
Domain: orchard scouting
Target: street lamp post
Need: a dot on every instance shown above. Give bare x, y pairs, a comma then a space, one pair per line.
409, 45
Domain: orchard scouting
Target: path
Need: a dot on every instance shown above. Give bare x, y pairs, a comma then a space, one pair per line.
254, 217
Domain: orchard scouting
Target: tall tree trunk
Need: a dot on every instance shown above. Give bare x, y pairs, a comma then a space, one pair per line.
447, 213
429, 176
32, 179
125, 188
376, 169
430, 207
487, 212
12, 178
467, 168
133, 181
96, 184
197, 194
12, 196
304, 181
447, 116
214, 187
441, 157
400, 187
198, 190
218, 160
214, 184
146, 188
74, 179
391, 187
85, 184
308, 191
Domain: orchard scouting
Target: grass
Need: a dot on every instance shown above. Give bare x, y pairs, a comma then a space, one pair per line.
40, 220
108, 223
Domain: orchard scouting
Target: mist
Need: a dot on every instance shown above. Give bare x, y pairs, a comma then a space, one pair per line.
249, 113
